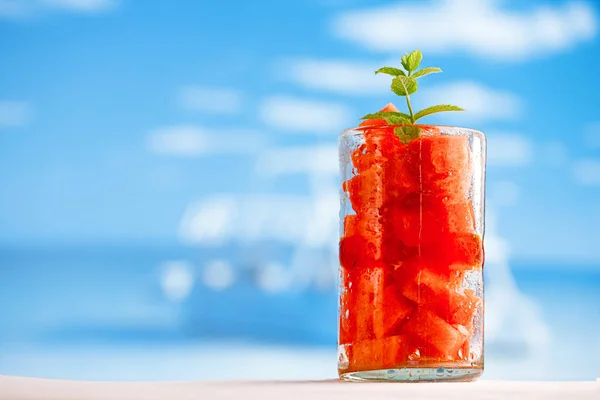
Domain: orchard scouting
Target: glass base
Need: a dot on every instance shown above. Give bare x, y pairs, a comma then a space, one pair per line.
440, 374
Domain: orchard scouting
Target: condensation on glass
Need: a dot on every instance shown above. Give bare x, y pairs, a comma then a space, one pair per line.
411, 254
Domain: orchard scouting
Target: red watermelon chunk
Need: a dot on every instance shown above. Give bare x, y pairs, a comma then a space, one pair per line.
406, 224
347, 322
350, 225
444, 163
396, 310
447, 152
438, 163
368, 227
394, 250
407, 273
426, 328
419, 219
467, 254
464, 308
361, 160
362, 241
442, 295
367, 287
457, 217
402, 177
378, 121
386, 353
449, 253
366, 189
355, 252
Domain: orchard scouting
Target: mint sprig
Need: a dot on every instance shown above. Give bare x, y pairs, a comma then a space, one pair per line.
404, 83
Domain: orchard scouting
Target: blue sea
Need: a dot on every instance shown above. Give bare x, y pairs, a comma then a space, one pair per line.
156, 313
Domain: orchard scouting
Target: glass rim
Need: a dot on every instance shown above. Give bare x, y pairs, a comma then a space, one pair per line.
361, 129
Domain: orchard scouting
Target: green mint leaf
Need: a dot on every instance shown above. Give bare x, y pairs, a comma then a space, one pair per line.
403, 85
426, 71
385, 114
391, 117
404, 62
413, 60
390, 71
407, 133
397, 120
436, 109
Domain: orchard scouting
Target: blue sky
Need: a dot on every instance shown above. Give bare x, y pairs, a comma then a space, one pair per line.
106, 133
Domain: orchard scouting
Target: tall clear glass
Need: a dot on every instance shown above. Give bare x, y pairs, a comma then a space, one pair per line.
411, 253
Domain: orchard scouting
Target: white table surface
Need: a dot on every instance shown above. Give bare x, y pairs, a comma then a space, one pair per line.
18, 388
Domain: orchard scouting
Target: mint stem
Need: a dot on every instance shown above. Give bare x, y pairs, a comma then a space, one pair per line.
410, 110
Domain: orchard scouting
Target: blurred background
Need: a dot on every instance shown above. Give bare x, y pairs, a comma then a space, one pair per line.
169, 179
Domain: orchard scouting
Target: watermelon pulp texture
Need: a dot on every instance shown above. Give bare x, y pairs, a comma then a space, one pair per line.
406, 249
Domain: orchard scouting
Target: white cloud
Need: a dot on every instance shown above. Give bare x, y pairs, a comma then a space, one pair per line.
308, 220
508, 150
313, 160
23, 8
193, 141
14, 113
301, 115
212, 100
177, 279
211, 220
480, 102
339, 76
178, 140
587, 172
225, 217
218, 275
591, 135
483, 28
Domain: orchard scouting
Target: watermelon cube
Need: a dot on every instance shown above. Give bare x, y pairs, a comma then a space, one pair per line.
451, 253
441, 294
366, 190
355, 252
445, 162
367, 288
376, 354
396, 309
347, 322
428, 331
